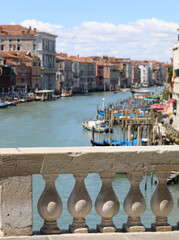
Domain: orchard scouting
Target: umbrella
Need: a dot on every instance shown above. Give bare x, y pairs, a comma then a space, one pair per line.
171, 101
156, 106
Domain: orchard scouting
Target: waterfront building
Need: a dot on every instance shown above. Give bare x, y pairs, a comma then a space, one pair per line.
145, 73
158, 74
99, 76
35, 65
114, 76
126, 73
7, 78
135, 75
46, 51
64, 74
106, 77
41, 44
84, 75
27, 69
176, 73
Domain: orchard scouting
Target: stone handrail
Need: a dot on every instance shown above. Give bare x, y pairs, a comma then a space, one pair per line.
18, 165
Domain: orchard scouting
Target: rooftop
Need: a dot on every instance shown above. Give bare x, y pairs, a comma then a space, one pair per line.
16, 30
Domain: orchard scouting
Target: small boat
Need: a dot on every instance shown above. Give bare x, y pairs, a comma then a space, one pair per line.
56, 96
99, 126
101, 112
118, 142
133, 90
100, 144
38, 98
3, 105
11, 103
140, 91
22, 100
29, 100
124, 89
121, 143
65, 95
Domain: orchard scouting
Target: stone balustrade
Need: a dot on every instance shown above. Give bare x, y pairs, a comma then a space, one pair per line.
18, 165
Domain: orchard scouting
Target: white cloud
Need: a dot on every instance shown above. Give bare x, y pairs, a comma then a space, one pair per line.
143, 39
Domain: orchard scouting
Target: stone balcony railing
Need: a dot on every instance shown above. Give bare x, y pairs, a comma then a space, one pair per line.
18, 165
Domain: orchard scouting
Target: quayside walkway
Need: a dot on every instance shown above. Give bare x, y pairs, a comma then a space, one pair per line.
16, 204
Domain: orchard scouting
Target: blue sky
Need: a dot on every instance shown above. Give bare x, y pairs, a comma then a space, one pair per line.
132, 28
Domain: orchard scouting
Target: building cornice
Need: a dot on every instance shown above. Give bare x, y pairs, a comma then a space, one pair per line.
48, 34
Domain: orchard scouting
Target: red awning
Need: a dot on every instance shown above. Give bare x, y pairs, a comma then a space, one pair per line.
156, 106
172, 100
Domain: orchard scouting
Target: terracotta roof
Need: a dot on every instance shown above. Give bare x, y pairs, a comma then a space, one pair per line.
17, 55
63, 58
11, 62
16, 30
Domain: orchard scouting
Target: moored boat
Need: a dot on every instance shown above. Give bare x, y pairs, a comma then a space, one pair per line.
115, 142
11, 103
3, 105
98, 125
65, 95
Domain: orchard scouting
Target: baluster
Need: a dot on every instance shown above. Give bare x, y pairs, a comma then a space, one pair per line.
107, 204
134, 204
162, 203
79, 205
50, 206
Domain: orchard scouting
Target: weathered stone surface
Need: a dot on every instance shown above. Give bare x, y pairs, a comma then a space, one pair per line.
104, 236
107, 204
79, 205
128, 228
162, 202
28, 161
50, 206
134, 204
16, 206
161, 228
17, 166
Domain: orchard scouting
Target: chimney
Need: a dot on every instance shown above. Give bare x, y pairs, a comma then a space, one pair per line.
35, 29
30, 28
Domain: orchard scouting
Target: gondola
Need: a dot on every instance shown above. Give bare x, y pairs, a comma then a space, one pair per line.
116, 142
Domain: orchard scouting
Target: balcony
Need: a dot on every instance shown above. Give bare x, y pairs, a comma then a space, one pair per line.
18, 165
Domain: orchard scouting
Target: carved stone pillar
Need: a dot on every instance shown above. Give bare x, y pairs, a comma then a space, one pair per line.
79, 205
107, 204
134, 204
16, 208
162, 203
50, 206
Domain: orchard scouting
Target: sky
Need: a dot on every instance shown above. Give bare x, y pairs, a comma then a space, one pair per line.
136, 29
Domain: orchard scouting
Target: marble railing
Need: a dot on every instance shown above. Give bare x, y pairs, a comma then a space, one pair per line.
18, 165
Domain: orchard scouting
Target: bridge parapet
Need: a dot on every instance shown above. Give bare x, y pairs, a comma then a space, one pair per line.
18, 165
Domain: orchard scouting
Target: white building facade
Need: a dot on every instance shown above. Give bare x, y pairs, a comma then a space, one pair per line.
145, 74
176, 73
84, 76
41, 44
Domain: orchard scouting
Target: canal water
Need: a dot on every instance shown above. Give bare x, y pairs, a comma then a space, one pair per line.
59, 124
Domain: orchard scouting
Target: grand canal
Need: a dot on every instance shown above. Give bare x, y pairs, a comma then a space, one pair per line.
59, 124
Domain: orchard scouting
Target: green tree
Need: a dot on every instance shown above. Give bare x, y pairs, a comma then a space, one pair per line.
166, 94
170, 76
